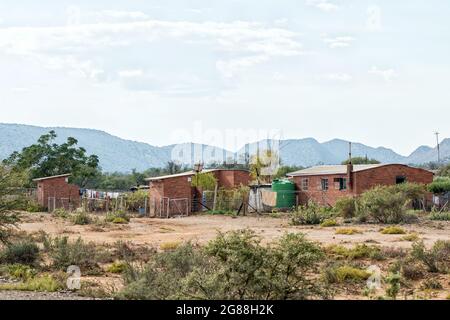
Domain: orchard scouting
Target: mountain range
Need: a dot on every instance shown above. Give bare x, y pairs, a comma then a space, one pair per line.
120, 155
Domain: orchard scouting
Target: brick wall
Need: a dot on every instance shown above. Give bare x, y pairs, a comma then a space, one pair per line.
180, 187
172, 188
229, 179
362, 181
315, 192
386, 175
58, 188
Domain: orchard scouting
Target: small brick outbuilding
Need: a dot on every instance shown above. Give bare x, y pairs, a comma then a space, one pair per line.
326, 184
174, 194
56, 192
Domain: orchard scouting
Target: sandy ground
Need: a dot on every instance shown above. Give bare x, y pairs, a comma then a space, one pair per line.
202, 228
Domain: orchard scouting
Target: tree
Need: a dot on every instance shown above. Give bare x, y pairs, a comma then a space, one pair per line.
264, 166
284, 170
444, 171
173, 168
205, 181
440, 186
362, 160
46, 158
10, 183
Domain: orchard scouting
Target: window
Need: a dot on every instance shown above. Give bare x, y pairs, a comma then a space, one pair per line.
324, 184
340, 183
400, 179
305, 184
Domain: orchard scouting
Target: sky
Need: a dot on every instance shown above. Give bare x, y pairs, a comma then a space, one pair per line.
224, 72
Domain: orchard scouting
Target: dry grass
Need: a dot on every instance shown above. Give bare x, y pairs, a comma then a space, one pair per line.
348, 231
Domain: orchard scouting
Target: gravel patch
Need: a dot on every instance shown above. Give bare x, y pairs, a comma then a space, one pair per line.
28, 295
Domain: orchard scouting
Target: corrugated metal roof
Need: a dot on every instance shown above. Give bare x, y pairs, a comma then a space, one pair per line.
333, 169
188, 173
53, 177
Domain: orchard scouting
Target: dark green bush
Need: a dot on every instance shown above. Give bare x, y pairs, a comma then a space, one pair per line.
117, 217
346, 207
436, 259
24, 252
65, 253
81, 218
233, 266
382, 205
310, 214
440, 216
440, 185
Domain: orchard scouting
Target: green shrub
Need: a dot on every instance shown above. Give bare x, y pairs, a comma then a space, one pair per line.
346, 207
437, 259
345, 273
117, 267
223, 212
431, 284
235, 265
348, 231
411, 271
360, 251
20, 271
382, 205
412, 237
34, 206
24, 252
440, 185
310, 214
60, 213
81, 218
65, 253
45, 283
136, 200
393, 281
440, 216
118, 217
119, 220
329, 223
393, 230
169, 245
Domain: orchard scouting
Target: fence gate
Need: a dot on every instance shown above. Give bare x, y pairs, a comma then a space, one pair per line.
59, 203
178, 207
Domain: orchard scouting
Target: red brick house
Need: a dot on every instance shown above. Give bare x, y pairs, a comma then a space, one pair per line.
56, 192
174, 194
325, 184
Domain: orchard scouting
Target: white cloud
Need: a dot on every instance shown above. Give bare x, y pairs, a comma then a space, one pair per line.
20, 89
73, 15
230, 67
339, 42
123, 14
338, 77
323, 5
130, 73
374, 18
239, 44
387, 74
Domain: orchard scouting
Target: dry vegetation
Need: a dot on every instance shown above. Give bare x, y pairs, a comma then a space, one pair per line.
124, 260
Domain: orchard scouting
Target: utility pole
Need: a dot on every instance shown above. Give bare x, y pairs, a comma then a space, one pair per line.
438, 147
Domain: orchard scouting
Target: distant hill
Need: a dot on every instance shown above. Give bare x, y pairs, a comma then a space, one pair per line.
122, 155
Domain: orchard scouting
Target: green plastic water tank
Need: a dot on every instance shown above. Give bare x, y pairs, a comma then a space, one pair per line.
285, 190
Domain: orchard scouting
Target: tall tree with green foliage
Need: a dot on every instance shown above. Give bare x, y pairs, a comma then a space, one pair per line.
444, 171
362, 160
10, 184
46, 158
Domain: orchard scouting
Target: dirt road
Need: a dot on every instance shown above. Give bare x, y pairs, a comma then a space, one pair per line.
203, 228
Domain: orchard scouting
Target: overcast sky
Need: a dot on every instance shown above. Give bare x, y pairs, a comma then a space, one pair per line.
375, 72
